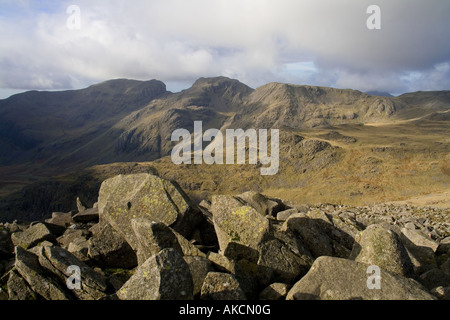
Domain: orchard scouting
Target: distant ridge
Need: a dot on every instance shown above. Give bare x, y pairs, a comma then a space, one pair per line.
380, 94
128, 120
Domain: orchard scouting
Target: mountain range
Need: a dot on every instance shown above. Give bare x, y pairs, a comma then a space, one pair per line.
128, 120
47, 134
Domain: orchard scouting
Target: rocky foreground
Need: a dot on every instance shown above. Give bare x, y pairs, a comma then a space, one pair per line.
145, 239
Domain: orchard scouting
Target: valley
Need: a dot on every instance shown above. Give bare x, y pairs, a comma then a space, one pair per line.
335, 146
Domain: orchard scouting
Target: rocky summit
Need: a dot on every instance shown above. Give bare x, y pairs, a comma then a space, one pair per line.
145, 239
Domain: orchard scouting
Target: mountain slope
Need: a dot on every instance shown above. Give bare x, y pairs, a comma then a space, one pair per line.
127, 120
38, 126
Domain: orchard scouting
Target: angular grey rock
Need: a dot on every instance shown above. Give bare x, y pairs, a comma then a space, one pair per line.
420, 248
199, 267
152, 237
87, 215
341, 279
249, 275
18, 289
316, 240
221, 286
61, 219
58, 260
264, 205
286, 265
80, 249
71, 235
276, 291
27, 265
33, 235
221, 262
419, 239
109, 249
434, 278
285, 214
127, 197
164, 276
383, 248
237, 222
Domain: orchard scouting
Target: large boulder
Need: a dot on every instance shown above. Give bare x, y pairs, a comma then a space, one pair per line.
341, 279
127, 197
109, 249
422, 249
285, 264
234, 221
200, 267
153, 237
382, 247
312, 235
164, 276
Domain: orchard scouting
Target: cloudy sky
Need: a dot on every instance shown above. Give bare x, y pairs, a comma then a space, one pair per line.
317, 42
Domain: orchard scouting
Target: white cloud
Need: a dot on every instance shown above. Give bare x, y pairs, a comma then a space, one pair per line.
321, 42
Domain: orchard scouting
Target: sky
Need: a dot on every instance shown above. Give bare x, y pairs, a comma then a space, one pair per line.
60, 45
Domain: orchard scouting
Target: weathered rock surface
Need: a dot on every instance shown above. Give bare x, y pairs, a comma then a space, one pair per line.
276, 291
264, 205
153, 237
57, 261
35, 234
383, 248
221, 286
341, 279
127, 197
109, 249
164, 276
148, 241
234, 221
27, 265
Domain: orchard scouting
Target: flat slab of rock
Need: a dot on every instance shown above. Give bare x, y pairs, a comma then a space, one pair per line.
27, 264
36, 233
86, 216
58, 260
341, 279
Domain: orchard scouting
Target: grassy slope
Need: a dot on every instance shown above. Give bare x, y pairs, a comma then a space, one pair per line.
389, 162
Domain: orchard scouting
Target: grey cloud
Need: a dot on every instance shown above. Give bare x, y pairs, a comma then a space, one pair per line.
255, 41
